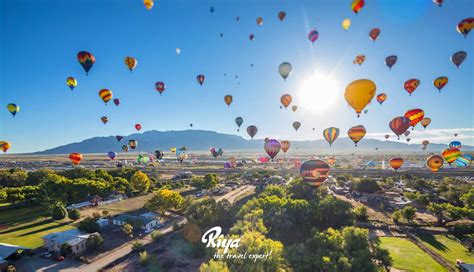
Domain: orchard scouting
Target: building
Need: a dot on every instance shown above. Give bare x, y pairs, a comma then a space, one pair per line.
146, 223
91, 201
73, 237
8, 251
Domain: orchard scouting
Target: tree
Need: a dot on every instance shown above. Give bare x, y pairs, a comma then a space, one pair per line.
94, 241
143, 258
74, 215
140, 182
59, 212
164, 200
214, 266
361, 213
332, 212
208, 182
65, 249
156, 235
89, 225
127, 229
367, 185
396, 215
136, 245
208, 212
468, 199
121, 185
408, 213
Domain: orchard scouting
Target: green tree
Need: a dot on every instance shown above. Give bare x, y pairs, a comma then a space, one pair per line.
164, 200
127, 229
140, 182
214, 266
89, 225
143, 258
468, 199
396, 216
367, 185
208, 212
65, 250
156, 235
74, 215
94, 241
361, 213
59, 212
408, 213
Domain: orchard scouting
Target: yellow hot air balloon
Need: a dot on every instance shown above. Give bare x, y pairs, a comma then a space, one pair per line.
13, 109
71, 82
359, 93
105, 95
131, 63
346, 23
228, 99
4, 146
148, 4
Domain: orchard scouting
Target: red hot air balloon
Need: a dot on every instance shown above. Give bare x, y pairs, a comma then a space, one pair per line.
138, 127
411, 85
314, 172
160, 87
374, 33
415, 116
75, 158
86, 60
399, 125
381, 98
272, 147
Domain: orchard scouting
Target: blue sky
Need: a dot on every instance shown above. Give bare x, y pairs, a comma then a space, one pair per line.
40, 40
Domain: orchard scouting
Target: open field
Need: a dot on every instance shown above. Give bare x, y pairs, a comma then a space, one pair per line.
19, 215
408, 257
447, 247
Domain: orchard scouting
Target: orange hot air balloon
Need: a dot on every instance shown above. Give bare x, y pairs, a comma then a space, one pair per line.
286, 100
451, 154
425, 122
381, 98
356, 133
4, 146
228, 99
285, 145
357, 5
411, 85
131, 63
440, 82
374, 33
105, 95
415, 116
75, 158
434, 163
148, 4
396, 163
359, 93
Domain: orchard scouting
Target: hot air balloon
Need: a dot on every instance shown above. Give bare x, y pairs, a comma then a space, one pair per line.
104, 119
285, 70
132, 144
148, 4
439, 3
272, 147
381, 98
406, 133
465, 26
125, 148
259, 21
331, 160
359, 59
160, 87
239, 121
458, 58
252, 131
356, 133
294, 108
75, 158
359, 93
251, 37
451, 154
387, 136
138, 127
411, 85
296, 125
86, 60
455, 144
390, 61
346, 23
105, 95
425, 122
159, 154
181, 155
4, 146
440, 82
178, 50
191, 124
434, 163
112, 155
462, 162
399, 125
425, 143
119, 138
313, 35
200, 79
456, 135
286, 100
211, 9
116, 101
281, 15
408, 140
415, 116
131, 63
331, 134
314, 172
396, 163
374, 33
71, 82
285, 145
228, 99
357, 5
13, 109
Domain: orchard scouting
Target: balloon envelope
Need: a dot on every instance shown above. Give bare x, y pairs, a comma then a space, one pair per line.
314, 172
359, 93
75, 158
252, 131
458, 58
285, 70
356, 133
399, 125
390, 61
272, 147
331, 134
434, 163
396, 163
112, 155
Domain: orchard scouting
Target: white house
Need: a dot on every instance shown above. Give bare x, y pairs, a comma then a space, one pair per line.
73, 237
146, 223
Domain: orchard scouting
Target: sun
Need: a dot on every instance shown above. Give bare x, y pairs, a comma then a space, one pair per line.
318, 94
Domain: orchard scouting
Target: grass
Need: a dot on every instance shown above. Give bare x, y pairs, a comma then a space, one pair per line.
448, 247
20, 215
407, 256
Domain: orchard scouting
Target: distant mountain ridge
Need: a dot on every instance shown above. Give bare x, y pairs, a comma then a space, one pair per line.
201, 140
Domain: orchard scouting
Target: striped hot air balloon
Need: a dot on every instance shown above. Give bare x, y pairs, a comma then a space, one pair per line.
440, 82
314, 172
356, 133
415, 116
105, 95
272, 147
465, 26
399, 125
411, 85
75, 158
71, 82
451, 154
331, 134
285, 145
5, 145
396, 163
313, 36
86, 60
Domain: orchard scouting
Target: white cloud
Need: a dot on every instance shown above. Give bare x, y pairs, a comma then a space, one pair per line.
440, 136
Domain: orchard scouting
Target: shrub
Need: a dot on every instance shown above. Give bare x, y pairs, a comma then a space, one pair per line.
156, 235
94, 241
59, 212
74, 215
89, 225
143, 258
136, 245
361, 213
65, 250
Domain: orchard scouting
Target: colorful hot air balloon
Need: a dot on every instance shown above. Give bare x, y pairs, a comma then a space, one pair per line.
451, 154
396, 163
228, 99
160, 87
399, 125
86, 60
359, 93
138, 127
411, 85
71, 82
313, 35
465, 26
439, 3
281, 15
462, 162
148, 4
106, 95
75, 158
272, 147
458, 58
406, 133
425, 122
159, 154
5, 145
357, 5
387, 136
200, 79
359, 59
381, 98
132, 144
13, 109
252, 131
415, 116
374, 33
331, 134
125, 148
356, 133
131, 63
112, 155
390, 61
286, 100
285, 70
296, 125
239, 121
455, 144
119, 138
314, 172
294, 108
104, 119
285, 145
434, 163
346, 23
260, 21
440, 82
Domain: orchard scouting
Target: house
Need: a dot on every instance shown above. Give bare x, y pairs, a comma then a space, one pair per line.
8, 251
94, 200
150, 215
91, 201
73, 237
102, 222
146, 224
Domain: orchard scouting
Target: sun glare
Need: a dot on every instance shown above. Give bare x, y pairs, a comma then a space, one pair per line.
318, 94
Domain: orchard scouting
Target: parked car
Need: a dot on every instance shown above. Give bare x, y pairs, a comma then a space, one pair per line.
46, 255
